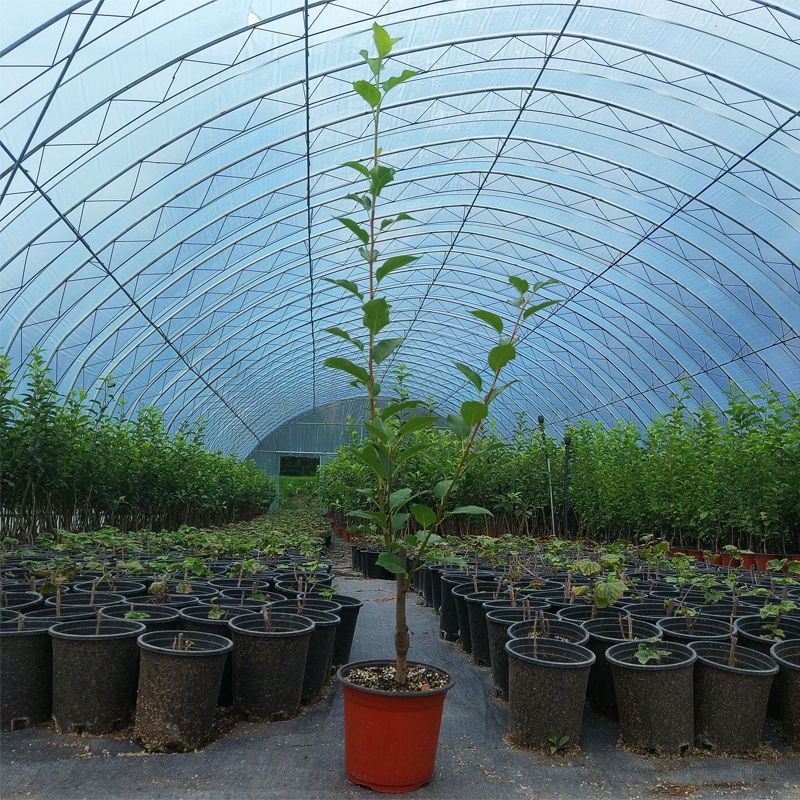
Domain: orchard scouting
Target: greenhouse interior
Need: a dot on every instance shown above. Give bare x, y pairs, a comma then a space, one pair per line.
400, 397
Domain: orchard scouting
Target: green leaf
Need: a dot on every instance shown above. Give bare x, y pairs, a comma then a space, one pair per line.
391, 220
489, 318
391, 264
378, 517
345, 365
383, 42
424, 515
377, 431
471, 510
521, 285
415, 423
399, 498
472, 412
374, 63
362, 199
396, 80
459, 426
539, 285
368, 91
440, 489
374, 456
410, 452
607, 592
399, 521
349, 285
500, 355
380, 176
499, 389
353, 226
531, 310
411, 540
376, 314
473, 376
392, 563
346, 336
384, 348
396, 408
356, 166
587, 567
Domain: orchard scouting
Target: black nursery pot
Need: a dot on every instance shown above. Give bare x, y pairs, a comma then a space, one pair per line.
448, 617
498, 621
546, 691
178, 688
787, 654
159, 617
654, 700
22, 601
478, 632
751, 633
730, 702
26, 666
345, 631
458, 594
94, 674
604, 632
319, 657
688, 629
549, 629
268, 665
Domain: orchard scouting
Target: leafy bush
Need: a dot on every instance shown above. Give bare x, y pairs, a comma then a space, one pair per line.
70, 463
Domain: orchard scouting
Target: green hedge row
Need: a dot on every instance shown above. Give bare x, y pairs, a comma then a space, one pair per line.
70, 463
694, 476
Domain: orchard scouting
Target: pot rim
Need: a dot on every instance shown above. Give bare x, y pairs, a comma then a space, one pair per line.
219, 645
768, 665
299, 625
687, 660
129, 628
340, 674
781, 658
585, 657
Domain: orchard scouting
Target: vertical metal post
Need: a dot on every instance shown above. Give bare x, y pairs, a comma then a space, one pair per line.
549, 476
567, 440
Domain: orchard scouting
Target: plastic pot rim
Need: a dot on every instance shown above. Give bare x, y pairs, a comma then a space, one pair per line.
298, 625
689, 656
60, 630
341, 674
781, 658
768, 665
584, 656
218, 644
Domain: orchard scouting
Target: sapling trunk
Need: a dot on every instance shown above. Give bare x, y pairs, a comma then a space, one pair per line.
732, 654
58, 600
99, 620
402, 641
266, 613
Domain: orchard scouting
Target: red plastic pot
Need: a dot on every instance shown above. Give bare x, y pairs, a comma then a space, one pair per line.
390, 738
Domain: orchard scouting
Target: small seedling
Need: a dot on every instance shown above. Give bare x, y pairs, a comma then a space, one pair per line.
216, 612
557, 742
179, 643
645, 654
136, 615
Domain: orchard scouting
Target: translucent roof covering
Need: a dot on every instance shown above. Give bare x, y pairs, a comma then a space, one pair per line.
169, 172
